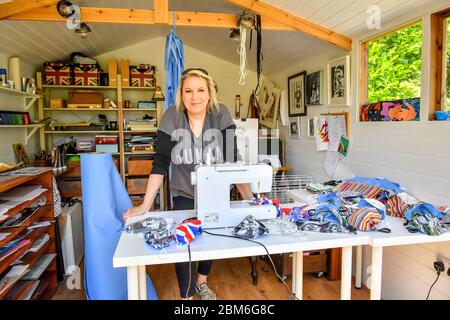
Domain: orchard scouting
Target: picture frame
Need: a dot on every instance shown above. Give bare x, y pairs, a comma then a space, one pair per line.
295, 131
296, 94
314, 88
312, 127
269, 113
338, 71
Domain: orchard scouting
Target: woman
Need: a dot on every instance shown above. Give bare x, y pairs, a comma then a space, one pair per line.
189, 133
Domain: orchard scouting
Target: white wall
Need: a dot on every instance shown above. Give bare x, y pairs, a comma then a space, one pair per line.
225, 74
414, 154
10, 136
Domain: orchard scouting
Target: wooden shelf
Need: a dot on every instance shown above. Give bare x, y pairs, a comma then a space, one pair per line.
81, 132
81, 109
138, 88
79, 87
21, 125
137, 131
19, 290
137, 109
138, 153
18, 93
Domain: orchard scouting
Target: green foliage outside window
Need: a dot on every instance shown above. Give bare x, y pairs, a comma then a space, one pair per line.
394, 65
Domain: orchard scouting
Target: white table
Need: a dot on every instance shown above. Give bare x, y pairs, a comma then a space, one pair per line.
377, 240
133, 253
399, 236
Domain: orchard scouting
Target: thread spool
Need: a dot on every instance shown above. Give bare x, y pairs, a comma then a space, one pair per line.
15, 72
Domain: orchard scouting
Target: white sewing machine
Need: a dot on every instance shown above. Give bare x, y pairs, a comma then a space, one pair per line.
212, 193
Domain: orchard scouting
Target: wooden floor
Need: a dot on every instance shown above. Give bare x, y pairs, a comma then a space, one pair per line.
231, 280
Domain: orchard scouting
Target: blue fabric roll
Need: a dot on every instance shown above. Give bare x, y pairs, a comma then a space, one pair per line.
105, 199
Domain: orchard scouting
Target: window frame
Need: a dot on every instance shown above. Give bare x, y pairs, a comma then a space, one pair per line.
364, 76
437, 62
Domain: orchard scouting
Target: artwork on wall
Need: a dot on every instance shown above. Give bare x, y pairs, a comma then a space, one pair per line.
269, 103
312, 127
294, 128
339, 82
396, 110
314, 88
296, 94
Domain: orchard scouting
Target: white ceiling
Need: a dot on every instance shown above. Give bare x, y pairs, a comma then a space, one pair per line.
38, 42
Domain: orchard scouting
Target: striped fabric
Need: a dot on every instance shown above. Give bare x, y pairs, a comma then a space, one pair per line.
396, 207
366, 190
186, 232
364, 219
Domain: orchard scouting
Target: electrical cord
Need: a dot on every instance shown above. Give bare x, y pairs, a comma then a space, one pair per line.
190, 272
291, 294
429, 291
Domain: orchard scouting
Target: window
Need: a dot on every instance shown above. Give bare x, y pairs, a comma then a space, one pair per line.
440, 62
392, 65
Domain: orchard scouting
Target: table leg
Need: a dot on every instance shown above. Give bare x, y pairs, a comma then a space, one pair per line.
375, 277
358, 274
132, 283
297, 274
142, 283
346, 273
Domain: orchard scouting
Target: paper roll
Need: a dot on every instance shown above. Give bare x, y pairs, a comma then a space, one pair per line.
15, 72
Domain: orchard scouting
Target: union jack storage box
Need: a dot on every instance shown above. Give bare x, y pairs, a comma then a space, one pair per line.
142, 75
57, 73
85, 74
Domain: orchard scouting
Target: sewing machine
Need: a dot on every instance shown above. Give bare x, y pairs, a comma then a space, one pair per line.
212, 193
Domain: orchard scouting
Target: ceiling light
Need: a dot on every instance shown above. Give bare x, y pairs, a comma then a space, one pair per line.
65, 8
235, 34
83, 29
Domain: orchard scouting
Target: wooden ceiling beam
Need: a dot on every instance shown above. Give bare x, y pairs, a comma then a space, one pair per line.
18, 6
161, 11
131, 16
295, 22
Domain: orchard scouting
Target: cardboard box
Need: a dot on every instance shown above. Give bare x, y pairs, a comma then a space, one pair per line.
139, 166
85, 74
142, 75
112, 72
136, 185
57, 74
57, 103
125, 72
104, 139
83, 99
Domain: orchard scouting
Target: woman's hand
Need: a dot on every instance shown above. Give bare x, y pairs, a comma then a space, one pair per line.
135, 211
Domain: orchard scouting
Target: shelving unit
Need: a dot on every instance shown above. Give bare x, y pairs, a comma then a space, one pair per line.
14, 100
48, 279
118, 94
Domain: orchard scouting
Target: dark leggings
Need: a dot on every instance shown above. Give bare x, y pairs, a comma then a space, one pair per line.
182, 268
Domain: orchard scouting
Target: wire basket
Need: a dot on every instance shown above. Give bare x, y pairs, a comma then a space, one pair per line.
287, 182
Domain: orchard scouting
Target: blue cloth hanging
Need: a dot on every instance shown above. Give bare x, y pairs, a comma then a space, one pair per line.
105, 199
173, 63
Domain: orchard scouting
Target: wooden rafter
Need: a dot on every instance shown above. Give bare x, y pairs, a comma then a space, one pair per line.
131, 16
161, 11
18, 6
295, 22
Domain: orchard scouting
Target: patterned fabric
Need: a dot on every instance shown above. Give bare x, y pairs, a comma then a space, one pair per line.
364, 219
268, 201
425, 223
396, 207
250, 228
186, 232
159, 233
56, 198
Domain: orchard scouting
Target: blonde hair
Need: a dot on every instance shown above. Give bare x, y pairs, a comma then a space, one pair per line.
213, 104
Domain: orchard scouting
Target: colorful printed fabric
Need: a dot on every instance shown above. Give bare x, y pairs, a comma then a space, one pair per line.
396, 207
425, 223
250, 228
186, 232
268, 201
423, 208
297, 214
159, 232
373, 203
365, 219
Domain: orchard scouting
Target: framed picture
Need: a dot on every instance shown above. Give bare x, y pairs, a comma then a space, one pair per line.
339, 82
312, 127
314, 88
296, 94
294, 128
270, 104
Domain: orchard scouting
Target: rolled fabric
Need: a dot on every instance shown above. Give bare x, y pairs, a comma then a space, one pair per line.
186, 232
105, 199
